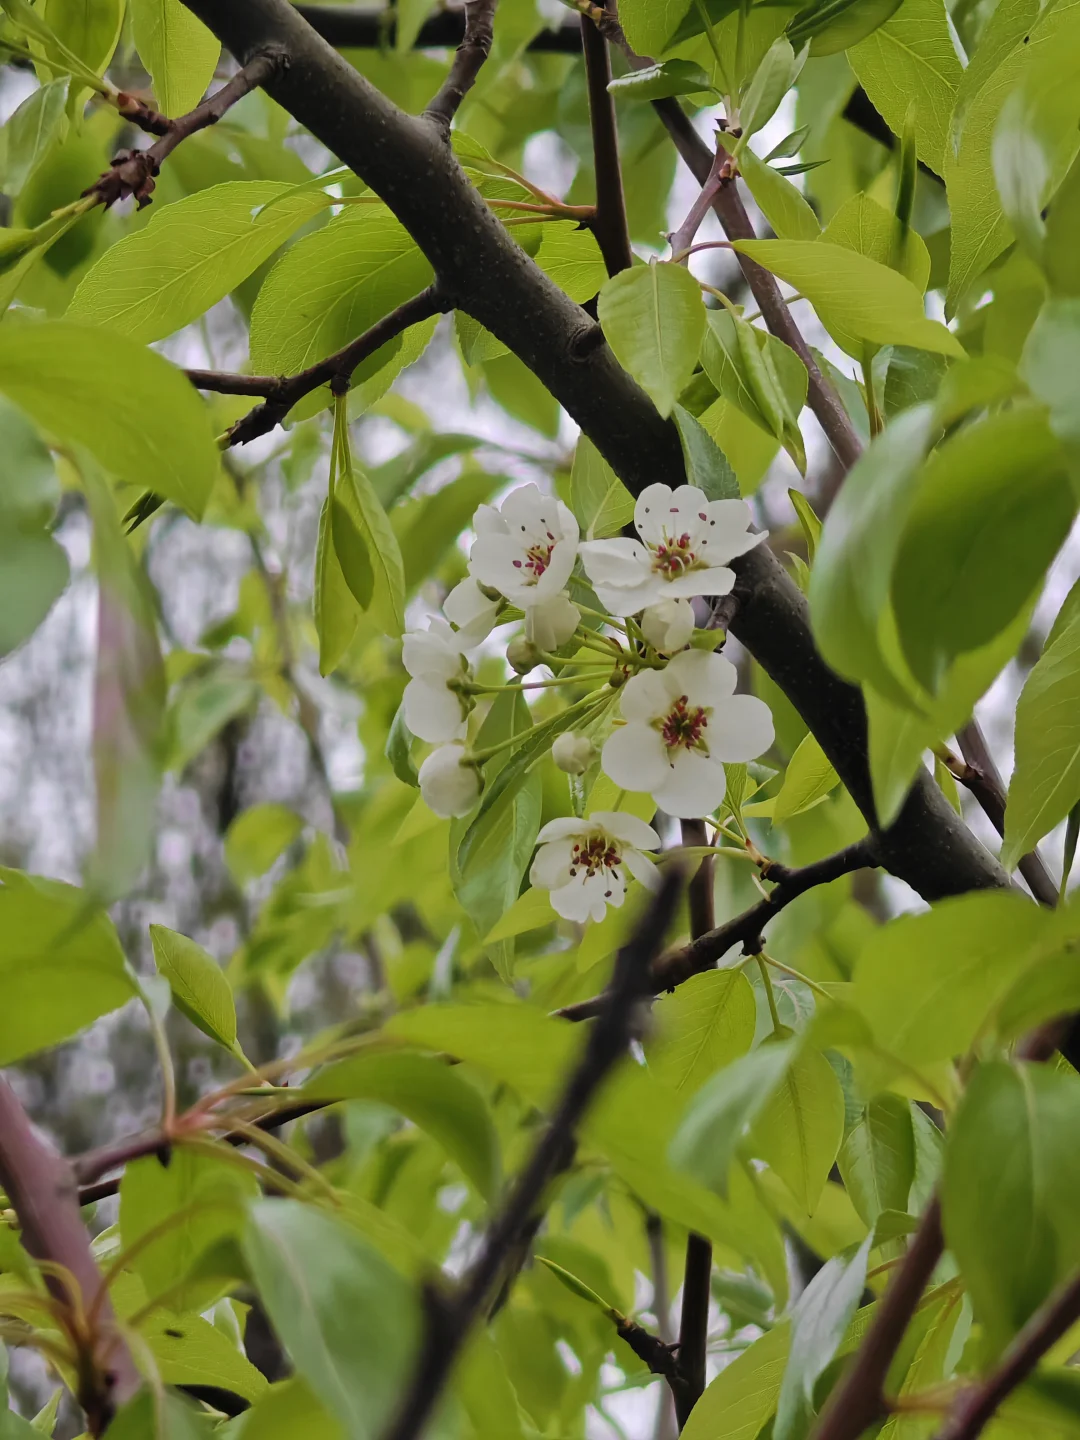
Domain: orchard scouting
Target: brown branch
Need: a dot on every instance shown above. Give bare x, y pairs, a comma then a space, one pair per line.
469, 58
41, 1188
721, 173
336, 370
976, 1406
609, 224
745, 929
451, 1317
981, 776
133, 171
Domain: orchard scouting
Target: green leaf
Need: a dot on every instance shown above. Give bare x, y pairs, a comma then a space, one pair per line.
205, 704
61, 965
188, 1350
912, 54
530, 911
926, 983
700, 1027
800, 1128
398, 750
337, 611
1012, 1169
993, 506
861, 224
430, 1093
856, 299
211, 1193
710, 1132
170, 445
1060, 258
579, 1288
650, 24
742, 1397
598, 498
329, 288
178, 50
809, 778
706, 464
877, 1158
257, 837
654, 320
175, 1420
33, 575
773, 78
655, 82
1045, 784
818, 1325
287, 1410
30, 133
837, 25
428, 526
753, 371
1050, 362
155, 280
349, 1321
198, 984
782, 204
88, 28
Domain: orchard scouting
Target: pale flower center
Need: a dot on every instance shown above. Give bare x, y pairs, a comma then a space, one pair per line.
594, 854
684, 726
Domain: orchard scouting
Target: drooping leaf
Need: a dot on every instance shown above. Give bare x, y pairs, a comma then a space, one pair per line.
702, 1026
654, 320
781, 202
198, 984
799, 1129
655, 82
877, 1158
180, 53
707, 466
29, 134
743, 1396
598, 498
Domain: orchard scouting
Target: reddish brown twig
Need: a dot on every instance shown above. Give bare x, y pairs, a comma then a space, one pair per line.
469, 58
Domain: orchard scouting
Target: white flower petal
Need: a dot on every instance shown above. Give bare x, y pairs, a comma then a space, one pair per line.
642, 869
645, 696
618, 561
628, 600
703, 676
496, 561
561, 828
728, 531
693, 786
552, 622
634, 757
573, 902
568, 525
488, 521
551, 868
716, 581
449, 788
432, 712
428, 652
740, 729
472, 612
652, 507
668, 625
559, 569
627, 828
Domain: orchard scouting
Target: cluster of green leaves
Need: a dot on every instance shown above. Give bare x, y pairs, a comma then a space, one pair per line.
761, 1083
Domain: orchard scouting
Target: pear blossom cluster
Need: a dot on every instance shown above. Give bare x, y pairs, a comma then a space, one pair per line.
659, 713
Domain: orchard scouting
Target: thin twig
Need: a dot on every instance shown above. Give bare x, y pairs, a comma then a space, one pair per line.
721, 173
450, 1318
609, 224
469, 58
744, 929
41, 1188
133, 172
336, 370
977, 1405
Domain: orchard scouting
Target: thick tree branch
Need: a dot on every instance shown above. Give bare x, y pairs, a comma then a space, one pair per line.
703, 952
283, 392
133, 171
474, 49
452, 1317
977, 1405
41, 1189
609, 225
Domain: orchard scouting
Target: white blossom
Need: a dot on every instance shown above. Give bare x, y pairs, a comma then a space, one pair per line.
686, 543
473, 612
434, 710
552, 622
584, 863
450, 786
683, 722
668, 625
573, 752
526, 548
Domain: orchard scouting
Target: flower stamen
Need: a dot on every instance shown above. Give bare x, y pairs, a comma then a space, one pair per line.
684, 726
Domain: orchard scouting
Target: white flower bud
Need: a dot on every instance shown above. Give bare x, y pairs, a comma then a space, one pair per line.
668, 625
448, 784
522, 656
573, 752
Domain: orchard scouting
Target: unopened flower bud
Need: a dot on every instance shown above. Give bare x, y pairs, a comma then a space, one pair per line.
449, 784
523, 656
668, 625
573, 752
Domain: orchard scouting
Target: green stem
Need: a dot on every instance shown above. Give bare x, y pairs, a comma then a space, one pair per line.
796, 975
472, 687
874, 414
596, 700
714, 44
766, 980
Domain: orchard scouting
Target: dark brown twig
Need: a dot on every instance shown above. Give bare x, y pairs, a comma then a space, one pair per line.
133, 171
452, 1317
41, 1188
977, 1405
469, 58
609, 225
282, 393
721, 173
745, 929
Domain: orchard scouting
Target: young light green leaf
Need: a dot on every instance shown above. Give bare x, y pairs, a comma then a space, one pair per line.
155, 280
1045, 784
654, 320
877, 1159
198, 984
530, 911
650, 24
856, 299
656, 82
177, 49
782, 204
349, 1321
861, 224
808, 521
707, 466
702, 1026
579, 1288
837, 25
171, 448
88, 30
29, 134
800, 1128
818, 1325
774, 77
598, 498
1050, 364
257, 837
430, 1093
809, 778
34, 573
398, 750
739, 1402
